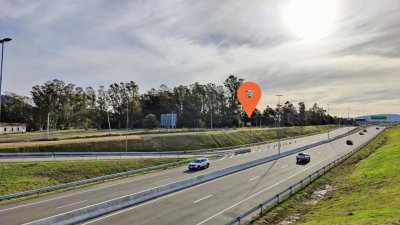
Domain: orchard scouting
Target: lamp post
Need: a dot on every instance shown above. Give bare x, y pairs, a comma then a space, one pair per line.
279, 123
348, 119
1, 67
328, 121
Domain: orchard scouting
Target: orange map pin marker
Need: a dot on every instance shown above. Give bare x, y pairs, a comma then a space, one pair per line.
249, 95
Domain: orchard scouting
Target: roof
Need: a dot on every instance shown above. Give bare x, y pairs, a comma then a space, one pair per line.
12, 124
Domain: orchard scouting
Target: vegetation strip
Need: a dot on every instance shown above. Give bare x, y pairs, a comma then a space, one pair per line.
361, 187
171, 142
25, 176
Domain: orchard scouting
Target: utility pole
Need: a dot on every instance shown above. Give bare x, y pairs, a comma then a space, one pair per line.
279, 123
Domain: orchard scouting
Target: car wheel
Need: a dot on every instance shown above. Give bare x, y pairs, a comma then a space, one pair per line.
198, 168
208, 165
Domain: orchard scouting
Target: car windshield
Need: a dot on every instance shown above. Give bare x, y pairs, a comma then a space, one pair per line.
196, 161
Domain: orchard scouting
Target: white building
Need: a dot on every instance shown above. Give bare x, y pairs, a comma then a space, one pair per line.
7, 128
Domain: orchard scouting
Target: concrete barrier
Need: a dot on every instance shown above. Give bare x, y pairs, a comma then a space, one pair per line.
92, 211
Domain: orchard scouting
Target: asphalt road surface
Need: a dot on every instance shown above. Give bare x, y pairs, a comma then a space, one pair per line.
213, 202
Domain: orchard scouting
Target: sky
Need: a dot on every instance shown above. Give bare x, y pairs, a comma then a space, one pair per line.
338, 52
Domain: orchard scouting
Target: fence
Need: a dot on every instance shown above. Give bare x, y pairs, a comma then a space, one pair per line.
300, 184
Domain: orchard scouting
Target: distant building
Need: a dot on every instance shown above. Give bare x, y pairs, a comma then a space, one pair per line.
7, 128
379, 118
168, 120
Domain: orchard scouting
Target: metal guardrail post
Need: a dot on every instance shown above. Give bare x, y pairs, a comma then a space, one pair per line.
261, 209
277, 196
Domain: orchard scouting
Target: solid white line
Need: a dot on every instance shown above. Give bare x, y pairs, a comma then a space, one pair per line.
70, 204
254, 178
201, 199
284, 166
265, 189
231, 156
93, 189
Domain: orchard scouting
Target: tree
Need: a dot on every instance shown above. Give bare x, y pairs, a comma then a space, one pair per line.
232, 83
150, 121
17, 109
302, 114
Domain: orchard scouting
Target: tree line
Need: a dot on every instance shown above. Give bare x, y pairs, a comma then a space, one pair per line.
197, 106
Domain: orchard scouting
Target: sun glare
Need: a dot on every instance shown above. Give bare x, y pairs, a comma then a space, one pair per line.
310, 18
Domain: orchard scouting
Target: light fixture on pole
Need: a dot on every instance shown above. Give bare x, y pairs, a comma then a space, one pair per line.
279, 123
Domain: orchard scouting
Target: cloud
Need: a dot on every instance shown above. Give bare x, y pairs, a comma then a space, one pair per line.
92, 43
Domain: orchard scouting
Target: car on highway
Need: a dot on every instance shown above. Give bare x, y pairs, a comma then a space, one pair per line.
349, 142
361, 133
199, 163
377, 128
303, 158
365, 130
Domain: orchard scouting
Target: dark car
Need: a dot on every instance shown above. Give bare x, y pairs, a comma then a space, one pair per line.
377, 128
349, 142
303, 158
361, 133
365, 130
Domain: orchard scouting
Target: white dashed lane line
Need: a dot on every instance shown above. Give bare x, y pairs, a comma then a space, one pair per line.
202, 199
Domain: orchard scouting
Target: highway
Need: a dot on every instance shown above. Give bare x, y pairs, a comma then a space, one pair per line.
226, 190
223, 199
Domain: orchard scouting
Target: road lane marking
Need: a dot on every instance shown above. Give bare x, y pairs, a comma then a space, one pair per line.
284, 166
70, 204
254, 178
231, 156
201, 199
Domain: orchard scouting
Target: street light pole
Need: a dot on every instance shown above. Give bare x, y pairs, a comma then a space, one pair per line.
127, 122
279, 123
348, 119
1, 67
328, 121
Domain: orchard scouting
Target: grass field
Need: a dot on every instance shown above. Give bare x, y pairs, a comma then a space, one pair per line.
366, 190
24, 176
167, 142
81, 133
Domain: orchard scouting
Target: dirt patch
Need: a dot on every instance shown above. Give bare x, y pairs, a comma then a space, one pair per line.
319, 194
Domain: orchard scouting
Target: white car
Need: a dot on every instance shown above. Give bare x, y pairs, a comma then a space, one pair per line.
199, 163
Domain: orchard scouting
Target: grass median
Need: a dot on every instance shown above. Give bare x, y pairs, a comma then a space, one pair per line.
23, 176
167, 142
364, 190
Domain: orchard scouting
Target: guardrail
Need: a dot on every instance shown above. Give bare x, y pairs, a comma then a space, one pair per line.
77, 183
300, 184
95, 179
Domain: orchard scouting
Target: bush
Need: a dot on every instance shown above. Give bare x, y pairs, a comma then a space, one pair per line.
150, 121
